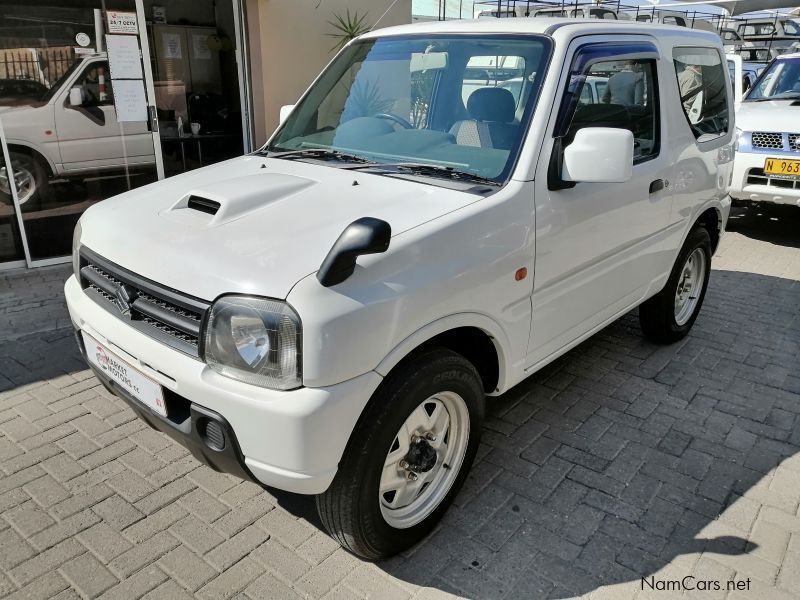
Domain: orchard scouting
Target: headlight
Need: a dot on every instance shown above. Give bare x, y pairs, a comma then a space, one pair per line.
255, 340
737, 135
76, 244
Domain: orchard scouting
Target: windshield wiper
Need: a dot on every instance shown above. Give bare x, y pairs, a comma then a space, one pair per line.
428, 170
323, 153
787, 97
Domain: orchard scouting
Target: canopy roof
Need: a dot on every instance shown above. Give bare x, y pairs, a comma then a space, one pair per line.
740, 7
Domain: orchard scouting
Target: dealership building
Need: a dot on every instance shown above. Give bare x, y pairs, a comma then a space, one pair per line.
98, 97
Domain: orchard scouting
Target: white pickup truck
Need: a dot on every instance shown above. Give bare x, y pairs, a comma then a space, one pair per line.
767, 166
329, 315
71, 131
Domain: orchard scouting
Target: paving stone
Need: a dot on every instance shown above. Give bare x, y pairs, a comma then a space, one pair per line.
13, 549
233, 580
88, 575
187, 568
104, 542
196, 535
143, 554
117, 512
282, 561
234, 549
137, 585
44, 562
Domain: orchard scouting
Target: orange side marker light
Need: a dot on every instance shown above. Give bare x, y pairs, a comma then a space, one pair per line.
521, 274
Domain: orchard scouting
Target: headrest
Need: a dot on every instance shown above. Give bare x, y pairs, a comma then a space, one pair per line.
491, 104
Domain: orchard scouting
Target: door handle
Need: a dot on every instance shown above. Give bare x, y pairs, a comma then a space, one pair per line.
657, 185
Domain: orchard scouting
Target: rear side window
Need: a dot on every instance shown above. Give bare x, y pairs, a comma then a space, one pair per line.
701, 79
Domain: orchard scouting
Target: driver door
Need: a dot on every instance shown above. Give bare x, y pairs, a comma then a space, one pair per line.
89, 134
599, 246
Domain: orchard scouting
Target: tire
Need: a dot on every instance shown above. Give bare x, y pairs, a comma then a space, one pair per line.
30, 179
376, 525
663, 318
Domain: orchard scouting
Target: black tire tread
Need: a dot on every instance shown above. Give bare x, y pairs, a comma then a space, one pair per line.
656, 315
336, 506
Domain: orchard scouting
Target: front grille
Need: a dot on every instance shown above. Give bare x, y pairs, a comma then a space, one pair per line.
763, 139
158, 311
758, 177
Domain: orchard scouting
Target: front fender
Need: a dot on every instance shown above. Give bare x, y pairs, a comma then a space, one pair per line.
448, 323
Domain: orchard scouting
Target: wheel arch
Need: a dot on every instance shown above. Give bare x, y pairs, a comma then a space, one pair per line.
28, 150
475, 336
711, 220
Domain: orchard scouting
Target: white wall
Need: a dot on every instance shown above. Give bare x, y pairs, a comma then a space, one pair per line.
290, 44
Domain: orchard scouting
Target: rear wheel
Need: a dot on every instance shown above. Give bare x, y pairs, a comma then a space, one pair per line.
669, 315
407, 457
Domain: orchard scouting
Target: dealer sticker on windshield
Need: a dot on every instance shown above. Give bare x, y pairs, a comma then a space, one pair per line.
133, 381
782, 166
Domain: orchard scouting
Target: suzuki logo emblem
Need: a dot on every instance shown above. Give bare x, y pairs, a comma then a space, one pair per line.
123, 298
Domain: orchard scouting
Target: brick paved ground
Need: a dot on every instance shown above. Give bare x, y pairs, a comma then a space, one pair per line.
622, 460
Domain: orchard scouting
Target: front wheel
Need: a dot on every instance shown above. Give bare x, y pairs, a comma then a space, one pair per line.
669, 315
30, 178
407, 456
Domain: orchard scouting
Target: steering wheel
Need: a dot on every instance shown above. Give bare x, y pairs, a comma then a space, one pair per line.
397, 120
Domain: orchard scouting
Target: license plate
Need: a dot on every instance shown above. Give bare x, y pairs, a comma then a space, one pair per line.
782, 166
133, 381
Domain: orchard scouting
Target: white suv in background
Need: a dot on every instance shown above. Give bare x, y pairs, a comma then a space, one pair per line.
329, 314
767, 165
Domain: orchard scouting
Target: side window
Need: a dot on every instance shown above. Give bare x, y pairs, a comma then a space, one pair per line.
507, 72
626, 93
95, 84
704, 97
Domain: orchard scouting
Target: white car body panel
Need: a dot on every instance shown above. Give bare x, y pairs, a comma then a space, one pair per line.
591, 253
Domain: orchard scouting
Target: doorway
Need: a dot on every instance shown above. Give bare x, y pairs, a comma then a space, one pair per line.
98, 97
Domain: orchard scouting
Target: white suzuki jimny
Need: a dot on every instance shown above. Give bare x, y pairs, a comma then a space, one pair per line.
328, 314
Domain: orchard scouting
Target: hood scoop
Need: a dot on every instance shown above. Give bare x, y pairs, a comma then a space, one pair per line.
202, 204
231, 199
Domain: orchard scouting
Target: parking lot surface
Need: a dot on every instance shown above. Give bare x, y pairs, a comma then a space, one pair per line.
622, 460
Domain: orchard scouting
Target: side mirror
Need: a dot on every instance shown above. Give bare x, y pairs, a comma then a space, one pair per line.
599, 155
286, 110
366, 235
76, 96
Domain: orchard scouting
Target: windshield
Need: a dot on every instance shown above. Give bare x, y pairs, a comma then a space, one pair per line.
460, 103
60, 81
781, 81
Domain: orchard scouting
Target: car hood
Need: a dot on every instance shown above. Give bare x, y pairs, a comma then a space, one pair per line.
771, 115
276, 221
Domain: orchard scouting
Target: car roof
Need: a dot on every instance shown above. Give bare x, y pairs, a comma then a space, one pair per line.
531, 25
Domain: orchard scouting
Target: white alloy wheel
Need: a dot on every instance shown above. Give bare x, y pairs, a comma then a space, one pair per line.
24, 179
424, 459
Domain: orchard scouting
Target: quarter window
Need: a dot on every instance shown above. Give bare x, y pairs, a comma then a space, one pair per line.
704, 97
